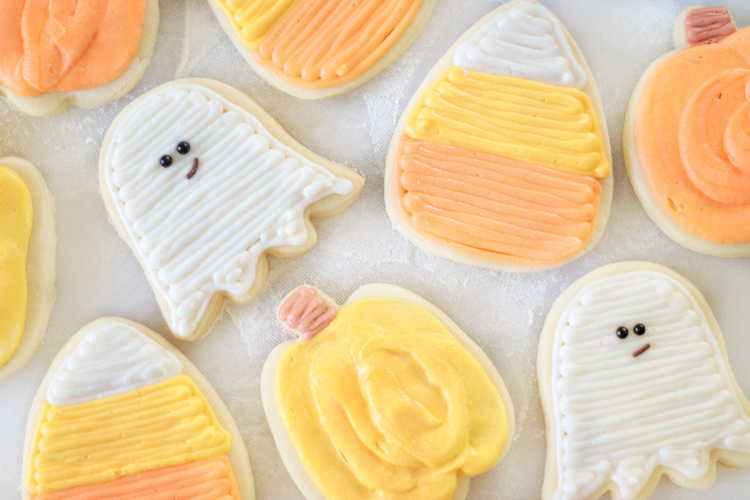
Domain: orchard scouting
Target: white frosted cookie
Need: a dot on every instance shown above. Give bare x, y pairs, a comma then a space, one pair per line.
27, 262
123, 414
202, 183
382, 397
313, 49
694, 180
635, 384
502, 159
91, 56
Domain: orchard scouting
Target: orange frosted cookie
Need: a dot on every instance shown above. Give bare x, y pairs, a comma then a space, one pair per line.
27, 262
62, 53
122, 415
502, 160
319, 48
687, 136
383, 397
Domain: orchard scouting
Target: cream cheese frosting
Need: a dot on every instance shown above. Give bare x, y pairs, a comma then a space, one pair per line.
201, 225
525, 41
113, 358
624, 406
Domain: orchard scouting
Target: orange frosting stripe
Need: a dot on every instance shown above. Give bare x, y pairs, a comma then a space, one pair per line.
691, 132
210, 479
66, 45
492, 207
322, 43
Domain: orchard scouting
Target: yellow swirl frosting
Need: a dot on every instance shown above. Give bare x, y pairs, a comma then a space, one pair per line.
385, 403
539, 123
160, 425
16, 218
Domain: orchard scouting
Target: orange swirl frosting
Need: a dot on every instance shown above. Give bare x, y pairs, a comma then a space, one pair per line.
315, 44
66, 45
707, 25
692, 132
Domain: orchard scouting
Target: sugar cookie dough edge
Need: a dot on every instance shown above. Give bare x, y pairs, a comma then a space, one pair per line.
544, 374
437, 70
52, 103
326, 207
410, 34
40, 265
672, 229
237, 454
374, 290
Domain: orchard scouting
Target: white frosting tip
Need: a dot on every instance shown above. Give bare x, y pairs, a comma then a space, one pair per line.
112, 358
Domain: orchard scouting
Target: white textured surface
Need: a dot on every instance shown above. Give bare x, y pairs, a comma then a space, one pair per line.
503, 313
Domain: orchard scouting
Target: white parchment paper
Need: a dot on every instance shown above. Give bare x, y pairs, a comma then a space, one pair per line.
503, 313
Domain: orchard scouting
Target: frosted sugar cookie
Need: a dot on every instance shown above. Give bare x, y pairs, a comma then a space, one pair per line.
383, 397
687, 135
635, 384
27, 262
502, 159
315, 49
122, 414
85, 54
202, 183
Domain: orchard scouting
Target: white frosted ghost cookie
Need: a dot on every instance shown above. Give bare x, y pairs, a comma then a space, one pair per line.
687, 135
202, 183
315, 49
502, 159
635, 384
123, 414
382, 397
84, 55
27, 262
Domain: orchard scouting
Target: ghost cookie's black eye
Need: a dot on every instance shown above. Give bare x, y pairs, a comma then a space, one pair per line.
639, 329
183, 148
621, 332
165, 161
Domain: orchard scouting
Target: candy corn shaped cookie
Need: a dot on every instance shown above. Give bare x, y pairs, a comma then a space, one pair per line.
319, 48
27, 262
687, 135
635, 384
382, 398
55, 54
122, 415
502, 159
202, 183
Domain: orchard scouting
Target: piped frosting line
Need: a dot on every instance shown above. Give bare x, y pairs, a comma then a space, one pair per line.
707, 25
305, 311
209, 479
492, 207
253, 20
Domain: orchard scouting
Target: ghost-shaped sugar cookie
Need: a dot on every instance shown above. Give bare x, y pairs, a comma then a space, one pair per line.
202, 183
123, 414
383, 397
635, 384
56, 54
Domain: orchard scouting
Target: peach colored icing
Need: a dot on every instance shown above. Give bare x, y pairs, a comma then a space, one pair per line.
209, 479
66, 45
707, 25
691, 132
492, 207
306, 312
322, 43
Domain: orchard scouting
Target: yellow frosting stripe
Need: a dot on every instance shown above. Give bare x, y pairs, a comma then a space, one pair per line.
386, 404
160, 425
525, 120
16, 219
253, 20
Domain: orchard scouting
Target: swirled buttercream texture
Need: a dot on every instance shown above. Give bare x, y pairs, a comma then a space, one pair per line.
204, 235
622, 411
